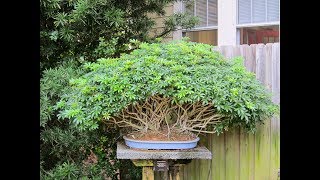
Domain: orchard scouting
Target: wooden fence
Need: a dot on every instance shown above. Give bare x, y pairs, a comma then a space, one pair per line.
236, 154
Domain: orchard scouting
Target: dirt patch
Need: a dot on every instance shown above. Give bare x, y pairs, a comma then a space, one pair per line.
162, 136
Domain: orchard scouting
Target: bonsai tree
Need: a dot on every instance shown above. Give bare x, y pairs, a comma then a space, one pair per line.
170, 88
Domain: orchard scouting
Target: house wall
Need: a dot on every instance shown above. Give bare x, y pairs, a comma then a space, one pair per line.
159, 26
227, 21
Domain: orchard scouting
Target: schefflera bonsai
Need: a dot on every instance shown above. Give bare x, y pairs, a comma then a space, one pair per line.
171, 89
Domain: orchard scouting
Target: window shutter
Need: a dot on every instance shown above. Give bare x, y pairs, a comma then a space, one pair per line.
273, 10
201, 12
259, 11
213, 13
244, 11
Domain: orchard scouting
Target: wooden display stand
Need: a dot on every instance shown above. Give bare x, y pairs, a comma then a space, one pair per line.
166, 163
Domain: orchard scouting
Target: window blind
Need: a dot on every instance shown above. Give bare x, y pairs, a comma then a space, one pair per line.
212, 13
201, 12
244, 11
273, 9
258, 11
206, 10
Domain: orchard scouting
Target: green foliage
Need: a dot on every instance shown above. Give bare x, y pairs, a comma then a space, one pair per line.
179, 21
79, 29
64, 144
61, 143
54, 84
185, 71
65, 171
93, 156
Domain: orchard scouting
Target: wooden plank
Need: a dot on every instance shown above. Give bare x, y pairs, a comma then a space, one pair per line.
147, 173
251, 58
248, 55
204, 164
247, 141
192, 168
236, 51
246, 155
174, 173
188, 170
268, 66
196, 168
276, 73
157, 175
181, 172
232, 154
185, 172
260, 63
227, 51
274, 149
275, 122
218, 167
210, 161
142, 162
262, 152
262, 136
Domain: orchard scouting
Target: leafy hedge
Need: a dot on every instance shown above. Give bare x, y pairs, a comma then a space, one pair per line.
187, 72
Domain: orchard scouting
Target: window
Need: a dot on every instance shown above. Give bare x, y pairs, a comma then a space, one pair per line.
258, 11
256, 35
205, 36
206, 10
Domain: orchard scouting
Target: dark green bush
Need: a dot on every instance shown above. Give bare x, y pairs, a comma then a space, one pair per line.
79, 29
53, 85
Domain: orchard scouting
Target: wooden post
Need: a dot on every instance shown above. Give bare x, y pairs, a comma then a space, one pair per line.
147, 173
147, 168
174, 172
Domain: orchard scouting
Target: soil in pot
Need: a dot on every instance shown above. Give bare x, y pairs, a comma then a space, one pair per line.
162, 136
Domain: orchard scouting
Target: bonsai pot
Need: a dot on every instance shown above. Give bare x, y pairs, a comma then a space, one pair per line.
150, 144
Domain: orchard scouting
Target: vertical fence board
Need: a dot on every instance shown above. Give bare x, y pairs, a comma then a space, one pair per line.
262, 151
181, 172
192, 170
218, 160
246, 155
247, 141
232, 154
275, 121
262, 136
203, 163
274, 148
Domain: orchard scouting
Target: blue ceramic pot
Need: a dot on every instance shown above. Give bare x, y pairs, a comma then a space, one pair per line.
140, 144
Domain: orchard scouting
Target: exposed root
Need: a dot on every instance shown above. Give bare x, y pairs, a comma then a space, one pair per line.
157, 113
